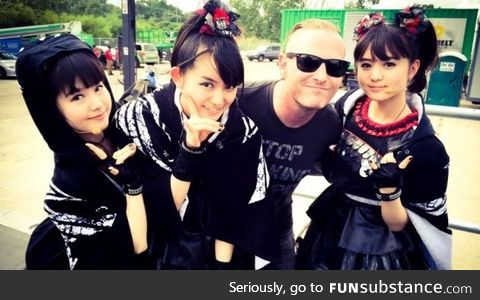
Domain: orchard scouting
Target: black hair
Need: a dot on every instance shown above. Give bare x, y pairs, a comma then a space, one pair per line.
401, 44
49, 67
224, 50
66, 69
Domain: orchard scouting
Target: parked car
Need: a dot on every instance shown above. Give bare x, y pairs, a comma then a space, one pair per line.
146, 53
165, 53
269, 52
7, 64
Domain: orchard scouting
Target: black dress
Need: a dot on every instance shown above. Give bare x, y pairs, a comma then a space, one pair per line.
347, 229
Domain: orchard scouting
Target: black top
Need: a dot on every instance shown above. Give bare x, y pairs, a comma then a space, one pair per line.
290, 152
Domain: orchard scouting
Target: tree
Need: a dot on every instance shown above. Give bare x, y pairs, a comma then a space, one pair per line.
16, 14
89, 7
52, 5
157, 10
75, 7
262, 18
97, 16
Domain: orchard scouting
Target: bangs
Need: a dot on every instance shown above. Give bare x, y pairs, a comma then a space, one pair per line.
79, 65
383, 39
224, 51
229, 62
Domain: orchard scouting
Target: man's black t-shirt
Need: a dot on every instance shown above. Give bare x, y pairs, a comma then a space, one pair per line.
290, 152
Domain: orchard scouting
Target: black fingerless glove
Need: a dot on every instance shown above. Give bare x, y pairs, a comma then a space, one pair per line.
128, 176
388, 175
187, 164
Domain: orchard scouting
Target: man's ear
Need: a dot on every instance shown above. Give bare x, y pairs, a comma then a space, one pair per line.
176, 76
282, 65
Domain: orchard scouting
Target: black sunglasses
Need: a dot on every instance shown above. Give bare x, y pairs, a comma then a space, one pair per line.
310, 63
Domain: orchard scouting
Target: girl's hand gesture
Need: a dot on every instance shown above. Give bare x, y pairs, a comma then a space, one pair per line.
389, 173
197, 128
121, 166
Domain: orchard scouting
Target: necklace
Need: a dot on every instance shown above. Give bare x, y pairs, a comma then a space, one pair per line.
382, 131
104, 144
371, 127
99, 142
400, 113
385, 139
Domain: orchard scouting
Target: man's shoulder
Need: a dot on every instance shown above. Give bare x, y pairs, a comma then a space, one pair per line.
257, 88
326, 120
328, 112
255, 92
253, 85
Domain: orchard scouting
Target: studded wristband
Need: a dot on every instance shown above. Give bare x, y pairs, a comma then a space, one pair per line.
390, 196
134, 188
133, 191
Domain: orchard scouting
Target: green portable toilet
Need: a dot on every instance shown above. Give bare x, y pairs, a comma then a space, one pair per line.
446, 79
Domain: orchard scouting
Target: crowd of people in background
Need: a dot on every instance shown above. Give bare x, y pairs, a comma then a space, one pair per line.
109, 57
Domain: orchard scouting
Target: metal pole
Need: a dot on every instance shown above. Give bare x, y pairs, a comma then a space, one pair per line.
454, 112
464, 226
128, 43
452, 224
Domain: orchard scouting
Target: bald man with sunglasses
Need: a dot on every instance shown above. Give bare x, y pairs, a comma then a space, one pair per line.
294, 116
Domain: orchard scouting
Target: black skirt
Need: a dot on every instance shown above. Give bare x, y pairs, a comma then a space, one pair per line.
348, 235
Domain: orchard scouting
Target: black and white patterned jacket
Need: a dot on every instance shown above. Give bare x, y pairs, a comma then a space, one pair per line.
233, 180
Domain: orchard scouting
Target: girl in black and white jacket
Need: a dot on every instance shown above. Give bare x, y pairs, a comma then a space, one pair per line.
207, 173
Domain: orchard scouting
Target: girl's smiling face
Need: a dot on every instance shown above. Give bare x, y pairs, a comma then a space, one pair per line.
204, 86
86, 109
